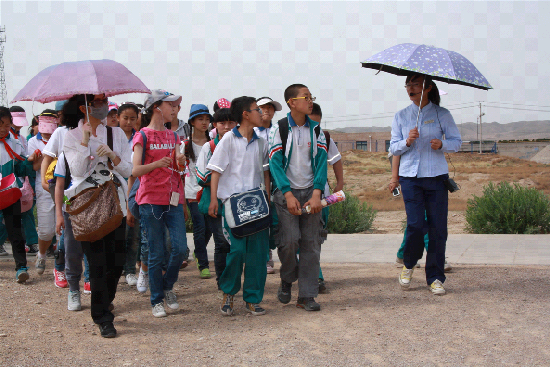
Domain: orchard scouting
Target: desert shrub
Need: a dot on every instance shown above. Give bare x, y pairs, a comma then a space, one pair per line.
507, 209
350, 216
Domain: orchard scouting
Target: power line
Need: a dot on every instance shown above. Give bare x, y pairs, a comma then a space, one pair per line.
515, 108
510, 103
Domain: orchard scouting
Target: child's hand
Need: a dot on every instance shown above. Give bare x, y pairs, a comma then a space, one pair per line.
180, 158
292, 204
394, 183
338, 187
86, 133
213, 209
130, 219
164, 162
315, 204
59, 224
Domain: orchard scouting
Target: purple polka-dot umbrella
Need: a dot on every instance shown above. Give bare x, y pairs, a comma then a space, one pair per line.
442, 65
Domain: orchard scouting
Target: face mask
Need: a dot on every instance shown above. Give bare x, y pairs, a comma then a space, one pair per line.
99, 112
47, 124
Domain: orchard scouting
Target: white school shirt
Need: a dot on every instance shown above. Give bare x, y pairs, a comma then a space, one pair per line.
263, 132
83, 166
333, 157
36, 142
55, 144
237, 161
299, 172
192, 187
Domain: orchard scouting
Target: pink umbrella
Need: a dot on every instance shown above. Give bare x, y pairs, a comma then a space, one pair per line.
62, 81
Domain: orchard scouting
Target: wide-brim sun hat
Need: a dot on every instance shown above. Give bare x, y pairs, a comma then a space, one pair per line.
160, 95
199, 109
266, 100
19, 118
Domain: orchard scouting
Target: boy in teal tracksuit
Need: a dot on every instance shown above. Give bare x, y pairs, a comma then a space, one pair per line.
235, 167
298, 164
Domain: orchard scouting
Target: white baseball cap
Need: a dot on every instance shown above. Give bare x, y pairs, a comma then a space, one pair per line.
266, 100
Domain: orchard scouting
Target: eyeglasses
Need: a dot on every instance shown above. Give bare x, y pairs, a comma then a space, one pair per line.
307, 98
97, 103
256, 109
412, 85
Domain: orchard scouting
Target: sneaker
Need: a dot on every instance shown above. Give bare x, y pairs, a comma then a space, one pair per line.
308, 304
322, 286
227, 305
59, 279
3, 252
171, 300
40, 265
184, 264
399, 263
270, 270
131, 279
437, 288
50, 251
73, 301
284, 293
447, 266
33, 248
87, 288
405, 277
205, 273
22, 275
107, 329
254, 309
142, 282
158, 310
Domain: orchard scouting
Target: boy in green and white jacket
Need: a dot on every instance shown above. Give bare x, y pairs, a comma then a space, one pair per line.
298, 167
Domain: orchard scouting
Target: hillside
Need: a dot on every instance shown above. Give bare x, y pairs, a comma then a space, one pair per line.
491, 131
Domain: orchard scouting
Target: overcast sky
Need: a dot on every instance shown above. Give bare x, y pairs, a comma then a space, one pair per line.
208, 50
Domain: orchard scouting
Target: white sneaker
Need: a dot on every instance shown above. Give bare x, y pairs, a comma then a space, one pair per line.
40, 265
270, 270
171, 300
158, 310
405, 277
131, 279
142, 282
447, 266
73, 303
437, 288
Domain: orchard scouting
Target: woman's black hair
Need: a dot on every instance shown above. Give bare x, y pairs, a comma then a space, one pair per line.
147, 115
216, 107
4, 111
71, 110
124, 107
17, 109
189, 152
48, 112
433, 96
222, 115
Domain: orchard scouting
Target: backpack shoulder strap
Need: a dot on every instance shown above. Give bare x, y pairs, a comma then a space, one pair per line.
67, 173
327, 137
144, 136
283, 131
317, 131
110, 163
212, 145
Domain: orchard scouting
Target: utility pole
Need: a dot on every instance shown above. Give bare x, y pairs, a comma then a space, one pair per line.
3, 91
480, 129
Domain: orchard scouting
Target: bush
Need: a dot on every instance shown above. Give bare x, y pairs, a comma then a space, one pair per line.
350, 216
507, 209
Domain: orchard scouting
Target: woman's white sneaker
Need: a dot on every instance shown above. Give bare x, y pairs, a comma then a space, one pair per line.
142, 282
131, 279
73, 303
437, 288
158, 310
405, 277
171, 300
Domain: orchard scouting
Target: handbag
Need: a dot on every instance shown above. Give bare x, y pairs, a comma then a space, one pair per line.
26, 196
248, 213
95, 212
9, 191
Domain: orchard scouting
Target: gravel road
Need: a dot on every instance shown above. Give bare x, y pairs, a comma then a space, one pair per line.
491, 316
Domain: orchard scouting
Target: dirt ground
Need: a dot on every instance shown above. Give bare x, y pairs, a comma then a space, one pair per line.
491, 316
367, 175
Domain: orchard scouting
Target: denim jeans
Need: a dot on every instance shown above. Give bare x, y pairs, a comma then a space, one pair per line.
426, 203
221, 245
59, 259
155, 219
133, 247
201, 234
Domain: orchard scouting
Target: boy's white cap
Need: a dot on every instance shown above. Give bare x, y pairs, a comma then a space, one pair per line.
266, 100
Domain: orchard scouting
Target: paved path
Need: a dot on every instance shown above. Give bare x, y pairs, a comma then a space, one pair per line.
461, 248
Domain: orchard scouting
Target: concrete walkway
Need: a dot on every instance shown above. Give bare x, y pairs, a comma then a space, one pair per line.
461, 248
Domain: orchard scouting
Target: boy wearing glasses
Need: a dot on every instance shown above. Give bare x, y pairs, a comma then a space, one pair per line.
298, 164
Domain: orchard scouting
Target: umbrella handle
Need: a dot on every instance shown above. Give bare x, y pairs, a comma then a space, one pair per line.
421, 97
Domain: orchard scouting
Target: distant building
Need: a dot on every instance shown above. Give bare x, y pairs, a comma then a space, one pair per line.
371, 142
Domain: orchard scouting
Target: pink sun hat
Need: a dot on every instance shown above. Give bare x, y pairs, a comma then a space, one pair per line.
113, 106
19, 119
224, 103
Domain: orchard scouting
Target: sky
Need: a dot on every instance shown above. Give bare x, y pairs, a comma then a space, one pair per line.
207, 50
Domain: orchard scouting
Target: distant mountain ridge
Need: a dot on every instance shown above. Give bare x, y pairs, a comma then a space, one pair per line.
537, 129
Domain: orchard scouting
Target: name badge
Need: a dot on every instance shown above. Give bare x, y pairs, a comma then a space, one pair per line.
429, 121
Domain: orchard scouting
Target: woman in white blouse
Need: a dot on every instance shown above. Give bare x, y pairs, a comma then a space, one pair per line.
87, 155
